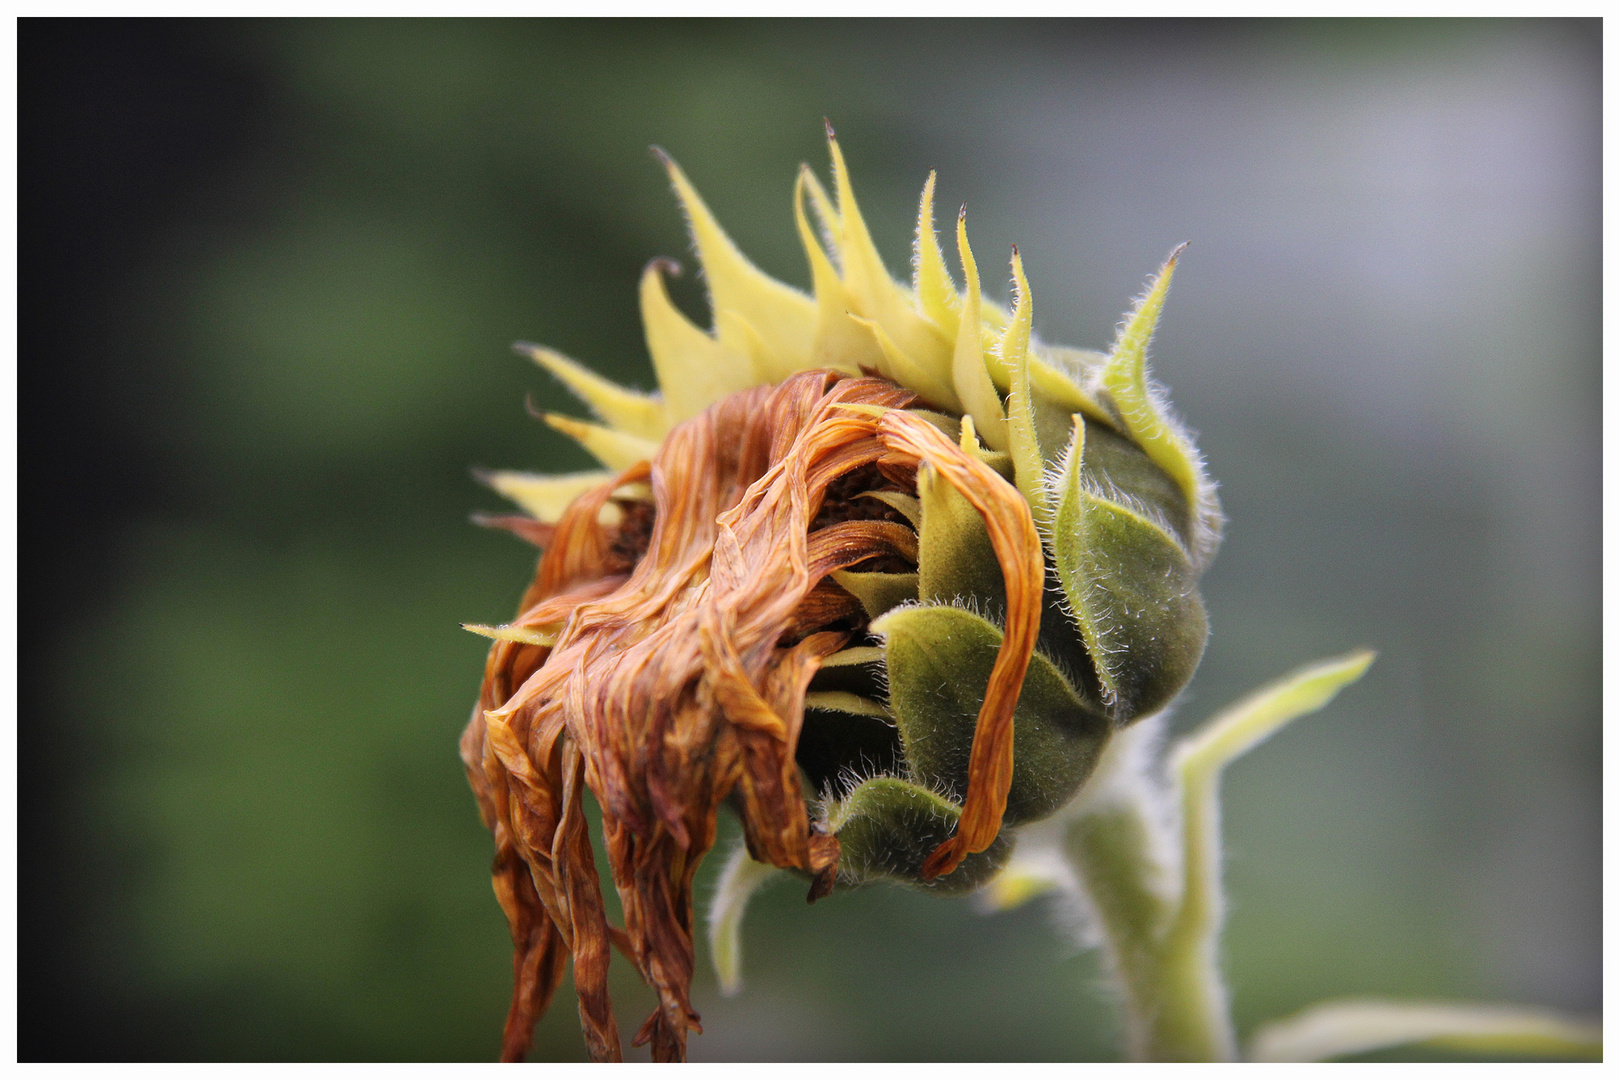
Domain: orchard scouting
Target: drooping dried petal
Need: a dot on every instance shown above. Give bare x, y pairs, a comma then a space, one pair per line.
671, 688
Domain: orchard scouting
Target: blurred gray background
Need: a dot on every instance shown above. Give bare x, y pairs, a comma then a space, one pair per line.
270, 273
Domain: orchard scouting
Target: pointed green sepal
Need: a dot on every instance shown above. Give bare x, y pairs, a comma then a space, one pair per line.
955, 560
938, 661
1131, 588
887, 828
909, 507
844, 702
1022, 441
877, 592
1147, 416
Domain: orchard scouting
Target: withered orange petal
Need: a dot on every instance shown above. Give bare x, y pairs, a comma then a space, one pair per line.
1018, 548
677, 678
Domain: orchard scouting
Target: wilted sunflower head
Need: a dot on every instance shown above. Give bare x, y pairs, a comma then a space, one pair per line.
875, 567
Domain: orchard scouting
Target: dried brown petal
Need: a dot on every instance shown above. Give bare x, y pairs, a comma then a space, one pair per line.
678, 674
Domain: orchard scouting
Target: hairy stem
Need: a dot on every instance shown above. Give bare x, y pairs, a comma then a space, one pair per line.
1159, 902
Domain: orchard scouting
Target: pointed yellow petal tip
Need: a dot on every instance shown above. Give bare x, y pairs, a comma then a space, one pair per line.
876, 296
523, 635
784, 318
694, 370
968, 372
543, 497
936, 293
637, 414
863, 271
838, 343
615, 449
822, 204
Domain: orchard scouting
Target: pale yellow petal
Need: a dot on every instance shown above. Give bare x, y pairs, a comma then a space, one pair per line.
826, 213
901, 368
694, 370
968, 372
524, 635
840, 344
936, 292
766, 366
544, 497
783, 317
614, 449
877, 295
624, 410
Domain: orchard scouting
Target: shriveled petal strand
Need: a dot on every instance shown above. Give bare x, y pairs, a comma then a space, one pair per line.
1018, 548
850, 542
521, 526
589, 919
667, 683
539, 958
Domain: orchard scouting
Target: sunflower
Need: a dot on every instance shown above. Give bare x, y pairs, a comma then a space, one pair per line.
875, 567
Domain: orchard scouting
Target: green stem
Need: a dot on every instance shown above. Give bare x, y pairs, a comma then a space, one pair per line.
1162, 928
1175, 1004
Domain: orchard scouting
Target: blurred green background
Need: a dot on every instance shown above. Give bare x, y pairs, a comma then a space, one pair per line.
269, 274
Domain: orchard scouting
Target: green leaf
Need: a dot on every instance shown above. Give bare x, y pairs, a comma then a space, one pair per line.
1337, 1028
1241, 727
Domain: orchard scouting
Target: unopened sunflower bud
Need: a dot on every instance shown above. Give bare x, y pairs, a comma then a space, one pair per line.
877, 568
